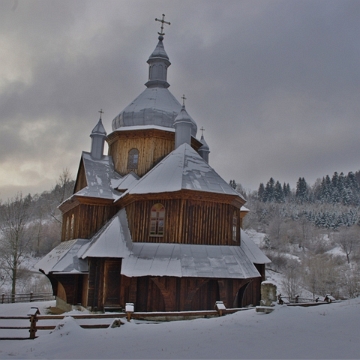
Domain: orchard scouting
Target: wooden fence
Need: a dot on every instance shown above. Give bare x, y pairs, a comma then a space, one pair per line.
298, 301
29, 297
35, 322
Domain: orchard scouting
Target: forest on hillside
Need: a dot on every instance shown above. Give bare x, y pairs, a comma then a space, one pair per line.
311, 233
30, 227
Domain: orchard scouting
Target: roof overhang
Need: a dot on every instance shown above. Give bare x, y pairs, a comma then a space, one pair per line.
184, 194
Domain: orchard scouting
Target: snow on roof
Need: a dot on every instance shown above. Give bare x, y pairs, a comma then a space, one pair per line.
155, 259
245, 209
113, 240
183, 168
183, 260
252, 251
161, 259
64, 258
126, 182
100, 175
145, 127
154, 106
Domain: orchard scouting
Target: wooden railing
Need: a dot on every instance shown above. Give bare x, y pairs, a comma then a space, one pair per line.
29, 297
297, 300
35, 322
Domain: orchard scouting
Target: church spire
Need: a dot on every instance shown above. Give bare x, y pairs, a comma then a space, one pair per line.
98, 136
159, 61
204, 149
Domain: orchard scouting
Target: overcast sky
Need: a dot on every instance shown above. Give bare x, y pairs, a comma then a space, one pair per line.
275, 83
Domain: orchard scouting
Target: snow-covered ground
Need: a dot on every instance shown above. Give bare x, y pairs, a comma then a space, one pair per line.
327, 331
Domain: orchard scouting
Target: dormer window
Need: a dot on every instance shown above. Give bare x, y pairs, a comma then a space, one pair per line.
133, 159
157, 220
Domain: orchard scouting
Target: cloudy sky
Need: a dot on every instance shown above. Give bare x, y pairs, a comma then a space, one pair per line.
275, 83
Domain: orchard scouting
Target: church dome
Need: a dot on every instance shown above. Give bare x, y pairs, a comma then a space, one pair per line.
155, 105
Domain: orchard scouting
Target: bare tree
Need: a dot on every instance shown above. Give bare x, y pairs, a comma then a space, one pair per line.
64, 185
14, 238
292, 278
347, 239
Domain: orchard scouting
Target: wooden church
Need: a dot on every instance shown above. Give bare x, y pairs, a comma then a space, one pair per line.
152, 223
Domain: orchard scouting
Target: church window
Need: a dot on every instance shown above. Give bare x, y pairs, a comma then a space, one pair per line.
133, 159
157, 220
234, 226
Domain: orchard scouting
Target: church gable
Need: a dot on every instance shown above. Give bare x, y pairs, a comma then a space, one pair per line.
183, 169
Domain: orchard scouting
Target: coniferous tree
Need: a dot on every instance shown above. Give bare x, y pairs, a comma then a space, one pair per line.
261, 192
269, 190
301, 190
278, 193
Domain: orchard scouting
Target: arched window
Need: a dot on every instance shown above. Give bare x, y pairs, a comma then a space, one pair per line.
234, 226
157, 220
133, 159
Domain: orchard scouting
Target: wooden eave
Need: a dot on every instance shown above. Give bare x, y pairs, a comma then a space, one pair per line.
185, 195
77, 200
148, 133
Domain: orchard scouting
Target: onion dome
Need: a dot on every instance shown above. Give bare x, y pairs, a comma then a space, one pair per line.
184, 117
155, 105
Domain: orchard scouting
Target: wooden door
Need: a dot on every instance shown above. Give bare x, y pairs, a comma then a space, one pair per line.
112, 282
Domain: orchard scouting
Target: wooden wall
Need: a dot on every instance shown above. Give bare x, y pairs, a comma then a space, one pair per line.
84, 220
104, 286
186, 221
183, 294
152, 144
69, 287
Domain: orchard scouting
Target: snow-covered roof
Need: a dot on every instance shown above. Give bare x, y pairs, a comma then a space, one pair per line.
154, 106
113, 240
145, 127
99, 128
100, 177
252, 251
160, 259
159, 51
182, 260
183, 168
64, 258
155, 259
125, 182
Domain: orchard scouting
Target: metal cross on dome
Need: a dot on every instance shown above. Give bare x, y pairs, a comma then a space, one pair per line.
202, 131
183, 98
101, 112
161, 33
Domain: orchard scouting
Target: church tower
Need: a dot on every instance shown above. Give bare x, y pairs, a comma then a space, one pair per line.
144, 132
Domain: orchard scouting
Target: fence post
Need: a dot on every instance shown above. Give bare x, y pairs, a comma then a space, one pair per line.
2, 298
33, 312
31, 296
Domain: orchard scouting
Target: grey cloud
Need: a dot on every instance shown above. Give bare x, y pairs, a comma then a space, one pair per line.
275, 84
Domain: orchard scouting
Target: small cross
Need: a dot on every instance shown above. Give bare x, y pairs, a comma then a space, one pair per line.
101, 112
202, 131
161, 33
183, 98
